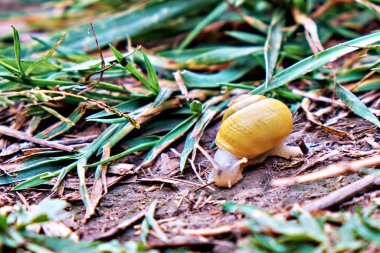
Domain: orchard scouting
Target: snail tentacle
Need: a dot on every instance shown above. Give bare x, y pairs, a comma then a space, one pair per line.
229, 171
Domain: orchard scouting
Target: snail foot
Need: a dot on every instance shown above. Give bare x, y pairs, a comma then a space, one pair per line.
281, 150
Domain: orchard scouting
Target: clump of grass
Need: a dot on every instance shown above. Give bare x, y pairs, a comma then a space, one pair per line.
323, 232
18, 228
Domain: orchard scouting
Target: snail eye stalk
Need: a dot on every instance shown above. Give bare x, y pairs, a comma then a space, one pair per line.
214, 163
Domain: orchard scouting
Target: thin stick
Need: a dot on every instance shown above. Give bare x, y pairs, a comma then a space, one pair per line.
224, 229
103, 64
23, 136
121, 226
333, 170
198, 176
343, 194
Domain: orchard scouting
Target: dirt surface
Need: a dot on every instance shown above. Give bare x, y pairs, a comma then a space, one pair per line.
186, 207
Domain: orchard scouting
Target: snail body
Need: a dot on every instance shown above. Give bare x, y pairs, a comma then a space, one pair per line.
252, 129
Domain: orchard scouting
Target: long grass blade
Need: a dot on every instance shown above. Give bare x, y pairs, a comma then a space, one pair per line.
17, 49
355, 105
315, 61
273, 45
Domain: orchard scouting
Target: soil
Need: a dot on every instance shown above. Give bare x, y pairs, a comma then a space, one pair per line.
203, 209
185, 206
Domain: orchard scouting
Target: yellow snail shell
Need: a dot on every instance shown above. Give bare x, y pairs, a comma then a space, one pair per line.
252, 126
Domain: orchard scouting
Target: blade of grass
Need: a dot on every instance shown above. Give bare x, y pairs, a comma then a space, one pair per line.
356, 105
168, 139
233, 72
149, 216
86, 152
130, 67
57, 115
45, 58
17, 49
315, 61
62, 127
27, 173
124, 153
372, 84
247, 37
9, 67
32, 182
144, 18
152, 75
218, 11
273, 45
38, 82
82, 184
223, 55
163, 95
193, 137
147, 113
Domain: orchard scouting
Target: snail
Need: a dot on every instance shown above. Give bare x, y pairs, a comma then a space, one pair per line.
253, 128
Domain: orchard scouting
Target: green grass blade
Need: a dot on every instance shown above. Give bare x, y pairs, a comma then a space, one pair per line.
137, 74
17, 49
143, 19
129, 66
223, 55
356, 105
62, 127
372, 84
163, 95
32, 182
202, 24
124, 153
119, 56
169, 138
45, 58
193, 137
273, 45
247, 37
37, 82
26, 174
160, 126
125, 107
82, 183
9, 67
233, 72
152, 75
58, 115
316, 61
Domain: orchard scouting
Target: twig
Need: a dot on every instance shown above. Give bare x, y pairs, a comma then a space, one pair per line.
315, 97
333, 170
203, 186
121, 226
181, 84
198, 176
215, 231
252, 21
159, 180
22, 136
103, 64
343, 194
